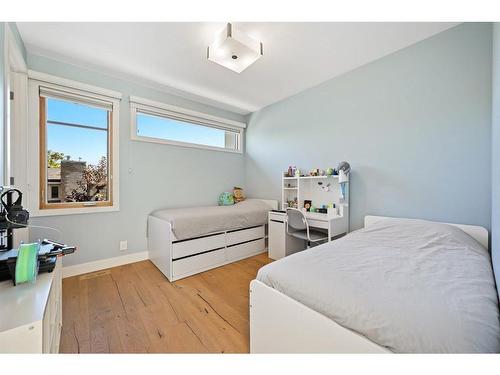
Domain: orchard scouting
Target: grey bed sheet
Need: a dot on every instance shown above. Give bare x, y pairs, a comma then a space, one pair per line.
197, 221
411, 286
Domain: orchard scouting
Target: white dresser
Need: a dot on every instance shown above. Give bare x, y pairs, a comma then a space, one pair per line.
31, 314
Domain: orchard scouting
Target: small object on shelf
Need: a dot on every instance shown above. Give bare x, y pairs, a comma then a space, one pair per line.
344, 166
291, 172
312, 209
307, 205
297, 172
26, 267
322, 210
314, 172
344, 170
330, 171
325, 187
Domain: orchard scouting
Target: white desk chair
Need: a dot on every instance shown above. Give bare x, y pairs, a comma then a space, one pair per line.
297, 226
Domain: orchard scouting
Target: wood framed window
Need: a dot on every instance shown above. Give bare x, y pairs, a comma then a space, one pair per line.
77, 148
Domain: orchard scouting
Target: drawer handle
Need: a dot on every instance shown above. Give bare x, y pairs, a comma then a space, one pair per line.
277, 221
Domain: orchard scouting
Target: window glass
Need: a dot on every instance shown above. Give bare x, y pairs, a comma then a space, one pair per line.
165, 128
77, 152
76, 113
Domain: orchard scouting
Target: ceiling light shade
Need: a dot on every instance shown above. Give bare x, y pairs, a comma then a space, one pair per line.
234, 50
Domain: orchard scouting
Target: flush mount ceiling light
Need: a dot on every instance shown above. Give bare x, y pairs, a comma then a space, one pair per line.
234, 50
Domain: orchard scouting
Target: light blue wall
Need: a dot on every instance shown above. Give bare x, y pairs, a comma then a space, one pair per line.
495, 170
152, 175
415, 126
17, 38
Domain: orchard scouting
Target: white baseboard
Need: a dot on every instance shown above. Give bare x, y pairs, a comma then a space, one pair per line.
102, 264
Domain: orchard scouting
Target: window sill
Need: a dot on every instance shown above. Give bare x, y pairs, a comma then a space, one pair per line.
72, 211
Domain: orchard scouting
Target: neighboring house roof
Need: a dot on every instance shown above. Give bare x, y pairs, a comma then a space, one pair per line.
54, 174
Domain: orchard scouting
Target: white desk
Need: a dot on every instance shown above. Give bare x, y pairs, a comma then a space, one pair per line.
281, 244
335, 224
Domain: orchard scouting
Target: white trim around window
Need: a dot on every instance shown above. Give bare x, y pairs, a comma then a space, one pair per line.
150, 107
97, 94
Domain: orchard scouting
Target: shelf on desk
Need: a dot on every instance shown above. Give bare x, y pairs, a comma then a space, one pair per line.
310, 177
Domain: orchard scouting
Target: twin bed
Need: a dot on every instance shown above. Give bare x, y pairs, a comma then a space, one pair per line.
398, 285
186, 241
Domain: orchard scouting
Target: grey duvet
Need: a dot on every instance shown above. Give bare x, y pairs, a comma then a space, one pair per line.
197, 221
411, 286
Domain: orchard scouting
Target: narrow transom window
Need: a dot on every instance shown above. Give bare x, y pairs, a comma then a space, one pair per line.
161, 123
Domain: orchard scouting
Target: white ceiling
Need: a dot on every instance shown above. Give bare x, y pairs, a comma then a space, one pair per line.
172, 56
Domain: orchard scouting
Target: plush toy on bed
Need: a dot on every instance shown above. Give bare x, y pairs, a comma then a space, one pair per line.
238, 194
226, 199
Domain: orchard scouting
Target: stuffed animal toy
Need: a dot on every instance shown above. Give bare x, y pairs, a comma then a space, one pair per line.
238, 194
226, 199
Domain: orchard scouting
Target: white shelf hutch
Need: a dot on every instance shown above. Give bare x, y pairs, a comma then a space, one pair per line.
303, 188
297, 190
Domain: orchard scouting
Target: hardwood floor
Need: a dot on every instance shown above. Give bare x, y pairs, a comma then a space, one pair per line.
135, 309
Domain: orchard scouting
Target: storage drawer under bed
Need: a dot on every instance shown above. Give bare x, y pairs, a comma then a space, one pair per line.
205, 261
246, 249
186, 248
244, 235
197, 263
199, 254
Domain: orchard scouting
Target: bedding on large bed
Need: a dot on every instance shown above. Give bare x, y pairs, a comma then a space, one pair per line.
197, 221
411, 286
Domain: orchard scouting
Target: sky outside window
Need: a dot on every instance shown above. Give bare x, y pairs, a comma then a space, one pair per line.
174, 130
89, 145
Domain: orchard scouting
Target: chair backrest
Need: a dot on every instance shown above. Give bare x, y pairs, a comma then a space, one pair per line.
296, 220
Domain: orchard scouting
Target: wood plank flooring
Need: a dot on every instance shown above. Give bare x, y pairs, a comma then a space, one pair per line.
135, 309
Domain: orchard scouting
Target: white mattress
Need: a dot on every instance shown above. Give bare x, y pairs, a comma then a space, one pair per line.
408, 285
197, 221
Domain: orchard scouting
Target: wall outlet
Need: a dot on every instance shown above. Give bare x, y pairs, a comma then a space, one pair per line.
123, 245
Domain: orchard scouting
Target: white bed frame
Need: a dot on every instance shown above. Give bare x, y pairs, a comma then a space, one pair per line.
280, 324
177, 259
